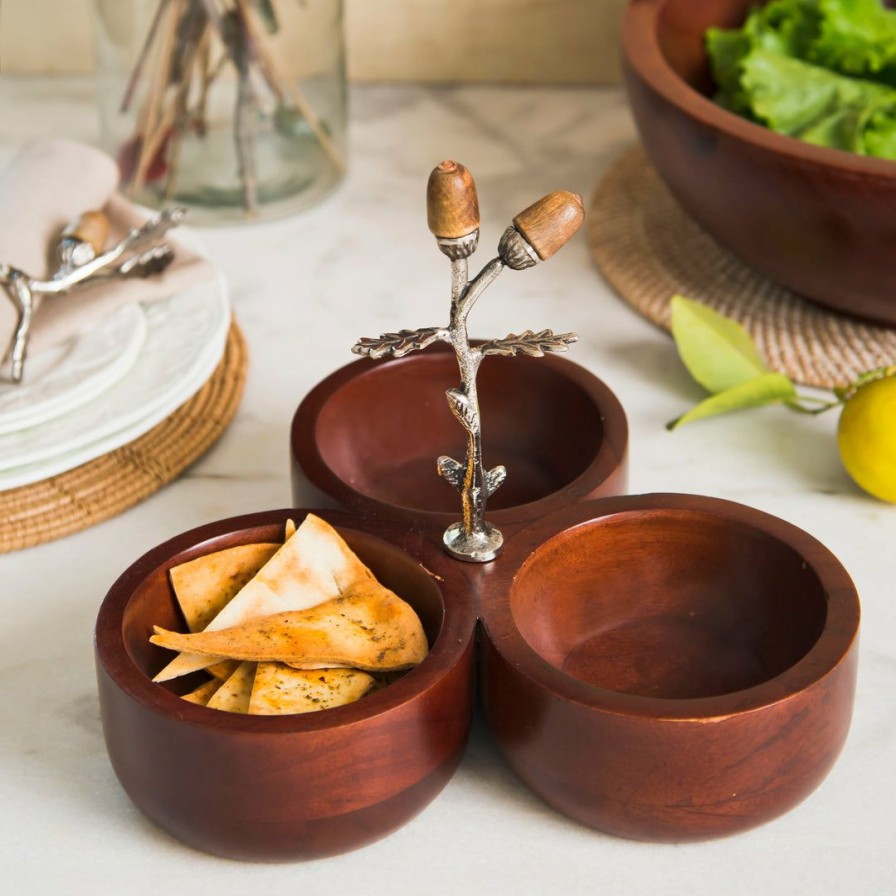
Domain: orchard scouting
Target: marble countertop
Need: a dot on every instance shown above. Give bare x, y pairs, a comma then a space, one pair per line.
303, 289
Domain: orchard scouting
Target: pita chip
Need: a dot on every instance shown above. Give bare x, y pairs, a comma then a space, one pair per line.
203, 693
205, 585
313, 566
368, 628
282, 690
223, 670
234, 694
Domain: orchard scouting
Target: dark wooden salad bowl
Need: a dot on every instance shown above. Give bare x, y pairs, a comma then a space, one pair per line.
820, 221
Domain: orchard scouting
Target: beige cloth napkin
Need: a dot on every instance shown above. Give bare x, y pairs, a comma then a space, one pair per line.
49, 184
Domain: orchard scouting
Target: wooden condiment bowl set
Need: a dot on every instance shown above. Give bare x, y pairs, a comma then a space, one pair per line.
660, 667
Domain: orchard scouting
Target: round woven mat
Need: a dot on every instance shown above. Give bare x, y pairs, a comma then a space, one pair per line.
103, 487
648, 249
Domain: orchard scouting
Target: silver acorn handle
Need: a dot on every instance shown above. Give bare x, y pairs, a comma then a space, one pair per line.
535, 235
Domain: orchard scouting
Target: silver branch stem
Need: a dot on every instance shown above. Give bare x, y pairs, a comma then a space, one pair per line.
472, 538
535, 235
139, 254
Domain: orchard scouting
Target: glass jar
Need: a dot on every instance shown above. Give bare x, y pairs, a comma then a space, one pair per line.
233, 108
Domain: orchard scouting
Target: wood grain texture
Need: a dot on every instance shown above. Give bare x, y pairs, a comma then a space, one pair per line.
516, 41
452, 206
548, 223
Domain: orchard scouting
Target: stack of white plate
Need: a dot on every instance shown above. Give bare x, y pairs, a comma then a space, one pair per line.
111, 383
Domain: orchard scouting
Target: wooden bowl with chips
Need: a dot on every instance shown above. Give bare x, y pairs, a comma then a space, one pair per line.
669, 667
368, 437
284, 787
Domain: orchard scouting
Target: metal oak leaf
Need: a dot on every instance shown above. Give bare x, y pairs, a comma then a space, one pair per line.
398, 344
493, 479
153, 229
462, 409
529, 343
451, 471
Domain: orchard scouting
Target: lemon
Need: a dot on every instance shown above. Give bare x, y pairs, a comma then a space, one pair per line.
866, 437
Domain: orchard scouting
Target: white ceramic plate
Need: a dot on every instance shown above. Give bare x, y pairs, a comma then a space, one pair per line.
64, 377
185, 338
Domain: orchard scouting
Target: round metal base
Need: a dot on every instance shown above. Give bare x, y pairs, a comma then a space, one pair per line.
477, 547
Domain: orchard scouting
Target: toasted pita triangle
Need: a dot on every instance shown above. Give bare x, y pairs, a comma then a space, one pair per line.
313, 566
204, 586
234, 694
384, 679
280, 689
368, 628
223, 670
203, 693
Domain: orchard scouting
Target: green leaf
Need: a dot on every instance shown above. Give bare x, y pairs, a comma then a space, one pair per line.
858, 37
790, 95
726, 48
819, 106
763, 389
879, 133
718, 352
823, 71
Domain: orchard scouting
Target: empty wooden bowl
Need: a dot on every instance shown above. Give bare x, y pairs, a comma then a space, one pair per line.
368, 436
817, 220
669, 667
284, 787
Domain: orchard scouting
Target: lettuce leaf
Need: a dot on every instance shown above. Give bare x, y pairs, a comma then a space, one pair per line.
880, 131
820, 70
819, 106
857, 37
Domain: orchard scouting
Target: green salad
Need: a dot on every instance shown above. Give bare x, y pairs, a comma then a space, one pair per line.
823, 71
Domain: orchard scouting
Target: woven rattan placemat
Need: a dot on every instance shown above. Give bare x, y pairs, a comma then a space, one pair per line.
103, 487
648, 249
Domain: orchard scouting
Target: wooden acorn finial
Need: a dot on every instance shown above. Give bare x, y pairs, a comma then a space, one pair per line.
547, 224
92, 227
452, 207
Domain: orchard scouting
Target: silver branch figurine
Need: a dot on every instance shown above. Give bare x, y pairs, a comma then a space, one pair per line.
80, 261
535, 235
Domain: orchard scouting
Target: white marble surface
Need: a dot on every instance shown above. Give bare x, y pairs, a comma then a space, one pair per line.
304, 289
